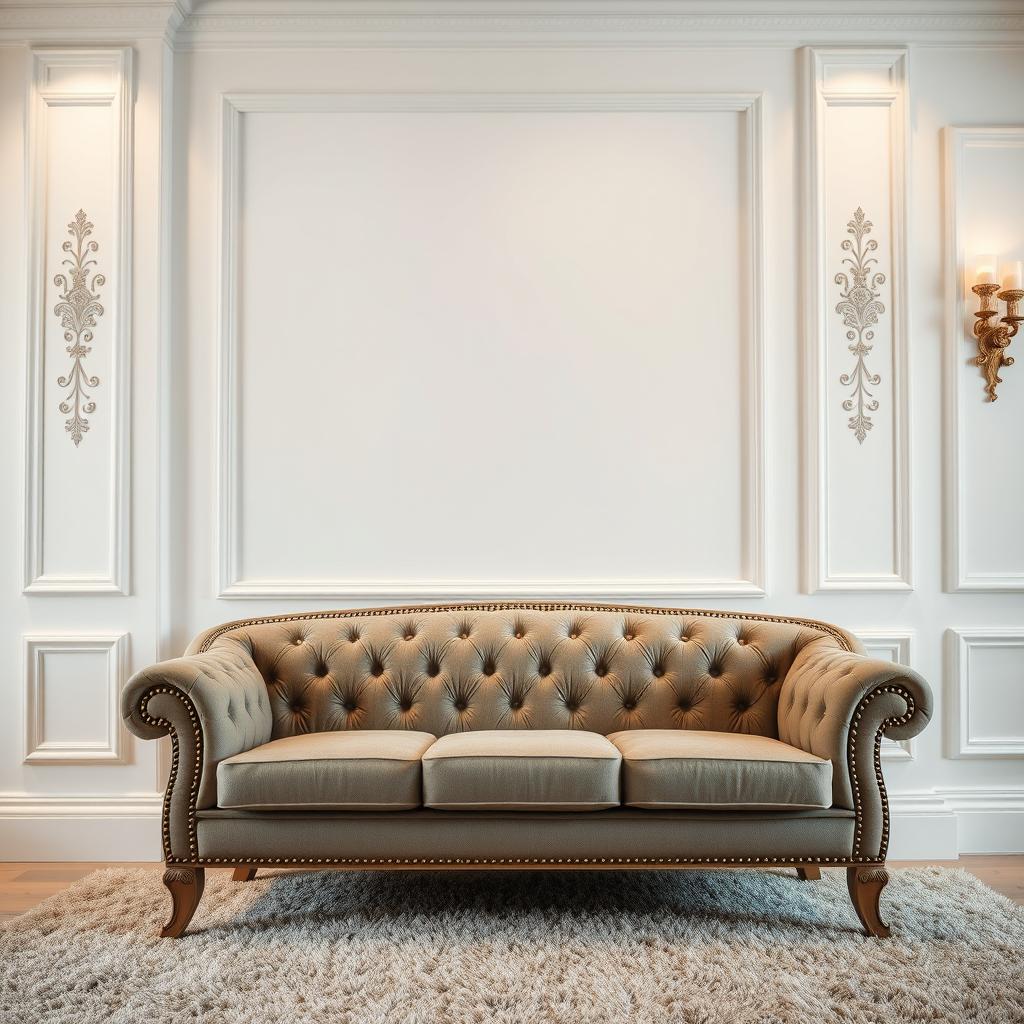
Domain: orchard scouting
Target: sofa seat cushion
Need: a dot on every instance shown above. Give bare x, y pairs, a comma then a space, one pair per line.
358, 770
522, 769
680, 768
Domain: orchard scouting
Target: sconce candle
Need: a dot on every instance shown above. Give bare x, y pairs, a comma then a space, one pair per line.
985, 272
1013, 276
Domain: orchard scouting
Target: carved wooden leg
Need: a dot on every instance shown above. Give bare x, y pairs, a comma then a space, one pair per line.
186, 887
811, 873
866, 883
243, 874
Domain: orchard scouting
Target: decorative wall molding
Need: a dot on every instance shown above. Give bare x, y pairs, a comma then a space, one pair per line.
960, 347
109, 750
79, 78
231, 581
876, 78
964, 742
860, 309
892, 645
81, 805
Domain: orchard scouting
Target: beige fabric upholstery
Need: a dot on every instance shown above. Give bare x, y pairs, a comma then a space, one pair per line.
375, 770
525, 666
823, 694
544, 770
620, 832
672, 768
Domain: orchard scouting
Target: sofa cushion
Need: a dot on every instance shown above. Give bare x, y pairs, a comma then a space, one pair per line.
364, 770
666, 768
519, 769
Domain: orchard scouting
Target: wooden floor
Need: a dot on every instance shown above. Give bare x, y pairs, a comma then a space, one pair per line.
23, 885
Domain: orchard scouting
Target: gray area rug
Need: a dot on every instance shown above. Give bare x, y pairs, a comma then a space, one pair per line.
497, 948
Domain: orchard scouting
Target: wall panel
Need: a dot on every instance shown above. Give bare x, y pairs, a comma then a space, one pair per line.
858, 493
493, 364
78, 404
983, 164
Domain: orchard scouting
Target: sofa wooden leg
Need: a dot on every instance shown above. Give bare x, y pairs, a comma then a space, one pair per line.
812, 873
185, 885
866, 883
243, 874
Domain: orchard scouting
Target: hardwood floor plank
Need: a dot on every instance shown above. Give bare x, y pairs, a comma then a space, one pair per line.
24, 885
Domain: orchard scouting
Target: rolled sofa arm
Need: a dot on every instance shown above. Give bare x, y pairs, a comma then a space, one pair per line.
213, 705
837, 704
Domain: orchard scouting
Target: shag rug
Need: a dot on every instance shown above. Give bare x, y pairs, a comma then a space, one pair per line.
495, 948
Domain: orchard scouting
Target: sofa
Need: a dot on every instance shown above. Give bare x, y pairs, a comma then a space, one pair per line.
525, 736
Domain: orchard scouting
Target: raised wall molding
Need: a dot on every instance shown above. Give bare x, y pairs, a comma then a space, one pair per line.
66, 172
894, 645
964, 382
231, 580
40, 647
857, 496
965, 740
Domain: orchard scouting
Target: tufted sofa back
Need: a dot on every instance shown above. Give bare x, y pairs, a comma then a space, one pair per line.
450, 668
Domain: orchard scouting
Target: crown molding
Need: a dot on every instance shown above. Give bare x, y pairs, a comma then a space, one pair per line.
224, 24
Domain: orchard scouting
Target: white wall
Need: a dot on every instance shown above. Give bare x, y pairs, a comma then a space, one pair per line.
507, 314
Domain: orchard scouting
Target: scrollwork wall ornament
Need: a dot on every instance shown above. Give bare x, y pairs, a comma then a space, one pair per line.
860, 309
79, 310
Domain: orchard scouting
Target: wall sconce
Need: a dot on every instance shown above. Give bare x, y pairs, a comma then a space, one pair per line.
994, 338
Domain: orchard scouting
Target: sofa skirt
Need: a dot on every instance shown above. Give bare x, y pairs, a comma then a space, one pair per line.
617, 834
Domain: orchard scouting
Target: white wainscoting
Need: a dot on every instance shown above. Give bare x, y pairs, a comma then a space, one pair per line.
983, 166
71, 698
891, 645
987, 692
79, 148
571, 471
858, 489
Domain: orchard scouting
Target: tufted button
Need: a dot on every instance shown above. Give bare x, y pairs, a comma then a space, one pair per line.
297, 641
460, 704
742, 641
685, 705
406, 704
410, 636
629, 705
519, 634
349, 705
770, 678
544, 669
515, 705
433, 670
574, 636
658, 671
714, 671
488, 668
629, 636
463, 635
600, 671
322, 669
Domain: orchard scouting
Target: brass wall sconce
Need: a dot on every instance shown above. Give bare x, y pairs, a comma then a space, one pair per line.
993, 338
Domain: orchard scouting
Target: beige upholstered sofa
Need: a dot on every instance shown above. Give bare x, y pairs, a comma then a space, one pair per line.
524, 736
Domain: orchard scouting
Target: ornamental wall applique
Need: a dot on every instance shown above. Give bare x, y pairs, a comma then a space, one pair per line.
78, 311
860, 310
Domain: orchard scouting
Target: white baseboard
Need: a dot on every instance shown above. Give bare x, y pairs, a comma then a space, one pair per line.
80, 827
941, 824
938, 824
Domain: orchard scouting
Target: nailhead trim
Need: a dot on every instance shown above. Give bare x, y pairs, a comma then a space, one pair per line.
851, 754
469, 861
503, 606
193, 789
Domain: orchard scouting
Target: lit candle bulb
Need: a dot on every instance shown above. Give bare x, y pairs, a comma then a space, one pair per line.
986, 270
1013, 276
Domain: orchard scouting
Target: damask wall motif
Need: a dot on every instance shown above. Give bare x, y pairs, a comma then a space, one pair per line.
860, 309
79, 310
